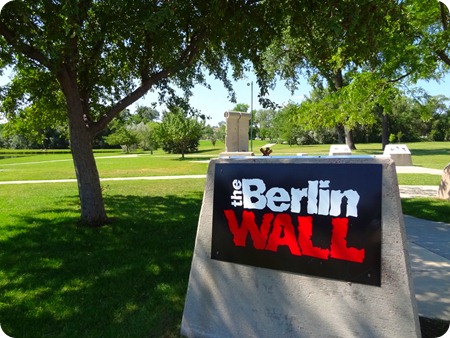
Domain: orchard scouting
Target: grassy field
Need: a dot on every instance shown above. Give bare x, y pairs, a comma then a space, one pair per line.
128, 279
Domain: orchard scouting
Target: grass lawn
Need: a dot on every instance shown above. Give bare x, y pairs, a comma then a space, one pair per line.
128, 279
125, 280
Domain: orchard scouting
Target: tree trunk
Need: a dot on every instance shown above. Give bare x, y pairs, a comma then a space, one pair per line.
340, 133
349, 138
93, 211
385, 130
339, 83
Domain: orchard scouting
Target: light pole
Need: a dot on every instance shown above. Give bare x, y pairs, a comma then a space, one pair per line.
251, 116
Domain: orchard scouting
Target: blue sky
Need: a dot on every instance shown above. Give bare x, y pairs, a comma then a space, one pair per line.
215, 102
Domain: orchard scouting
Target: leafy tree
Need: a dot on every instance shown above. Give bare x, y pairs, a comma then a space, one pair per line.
124, 137
430, 21
209, 133
83, 62
264, 122
359, 42
179, 133
146, 135
145, 114
284, 123
241, 107
220, 131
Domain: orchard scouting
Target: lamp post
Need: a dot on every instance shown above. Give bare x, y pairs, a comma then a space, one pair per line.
251, 116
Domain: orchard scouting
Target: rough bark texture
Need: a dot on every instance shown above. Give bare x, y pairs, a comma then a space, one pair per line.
91, 200
349, 139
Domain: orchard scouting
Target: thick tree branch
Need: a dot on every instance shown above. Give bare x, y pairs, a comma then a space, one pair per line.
129, 100
186, 59
21, 47
443, 56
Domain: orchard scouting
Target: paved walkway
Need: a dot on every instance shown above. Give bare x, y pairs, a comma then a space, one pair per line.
429, 252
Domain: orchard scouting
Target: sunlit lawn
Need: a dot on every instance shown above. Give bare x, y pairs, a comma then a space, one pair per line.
127, 279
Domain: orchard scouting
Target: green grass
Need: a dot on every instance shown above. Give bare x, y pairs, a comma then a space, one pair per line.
128, 279
125, 280
115, 163
427, 208
418, 179
40, 167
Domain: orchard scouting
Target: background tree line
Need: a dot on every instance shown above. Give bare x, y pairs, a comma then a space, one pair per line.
410, 118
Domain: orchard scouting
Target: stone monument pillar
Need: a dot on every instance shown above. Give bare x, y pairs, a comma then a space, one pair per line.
236, 138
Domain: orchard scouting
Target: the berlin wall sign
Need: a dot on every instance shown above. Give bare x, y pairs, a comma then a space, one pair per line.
311, 219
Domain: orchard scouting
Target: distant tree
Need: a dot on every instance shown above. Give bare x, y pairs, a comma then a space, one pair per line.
146, 135
284, 123
124, 137
210, 134
220, 131
179, 133
264, 122
241, 107
145, 115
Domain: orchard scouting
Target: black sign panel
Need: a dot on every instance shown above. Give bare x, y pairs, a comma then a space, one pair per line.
316, 219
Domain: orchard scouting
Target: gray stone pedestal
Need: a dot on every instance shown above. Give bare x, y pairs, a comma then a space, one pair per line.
226, 299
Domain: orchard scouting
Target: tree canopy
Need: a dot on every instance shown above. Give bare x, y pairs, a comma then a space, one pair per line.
358, 59
85, 61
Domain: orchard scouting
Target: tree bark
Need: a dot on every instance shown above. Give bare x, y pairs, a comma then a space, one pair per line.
349, 138
385, 130
93, 211
339, 83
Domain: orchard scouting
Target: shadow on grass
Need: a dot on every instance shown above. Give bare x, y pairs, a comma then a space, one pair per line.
125, 280
192, 158
433, 209
430, 152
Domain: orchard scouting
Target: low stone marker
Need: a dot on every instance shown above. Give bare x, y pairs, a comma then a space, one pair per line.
236, 138
444, 186
399, 153
300, 247
339, 150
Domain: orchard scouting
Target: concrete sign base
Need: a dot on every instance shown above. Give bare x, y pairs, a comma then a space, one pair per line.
226, 299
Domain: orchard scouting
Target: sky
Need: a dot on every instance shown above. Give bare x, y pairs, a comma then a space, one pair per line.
215, 102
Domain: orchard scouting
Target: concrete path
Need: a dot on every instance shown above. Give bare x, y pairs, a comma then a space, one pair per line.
429, 252
417, 170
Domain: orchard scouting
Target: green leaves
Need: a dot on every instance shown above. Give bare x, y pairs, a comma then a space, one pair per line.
178, 132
